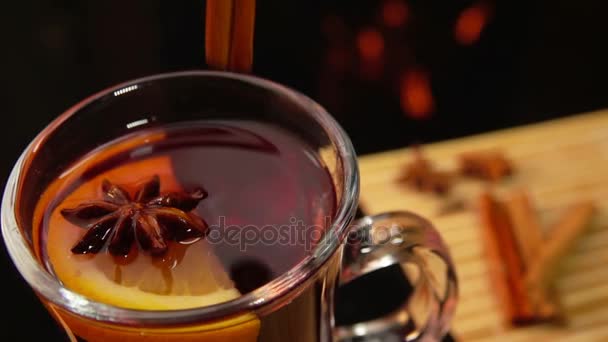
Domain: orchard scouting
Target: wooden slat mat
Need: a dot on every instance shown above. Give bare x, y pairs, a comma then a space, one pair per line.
559, 162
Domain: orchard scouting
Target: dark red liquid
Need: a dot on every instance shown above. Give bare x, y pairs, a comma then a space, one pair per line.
269, 196
261, 181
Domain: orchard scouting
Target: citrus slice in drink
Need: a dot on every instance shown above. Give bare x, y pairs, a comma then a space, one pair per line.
187, 276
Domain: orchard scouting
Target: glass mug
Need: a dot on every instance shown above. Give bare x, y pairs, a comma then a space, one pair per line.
297, 305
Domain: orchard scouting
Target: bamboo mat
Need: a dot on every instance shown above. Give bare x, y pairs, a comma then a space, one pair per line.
559, 162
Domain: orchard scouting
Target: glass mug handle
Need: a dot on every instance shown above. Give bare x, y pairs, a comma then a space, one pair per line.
410, 241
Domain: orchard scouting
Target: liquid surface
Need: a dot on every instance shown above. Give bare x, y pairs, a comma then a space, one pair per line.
268, 202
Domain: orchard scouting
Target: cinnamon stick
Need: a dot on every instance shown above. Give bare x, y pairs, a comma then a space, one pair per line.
218, 26
229, 29
528, 235
527, 228
507, 268
495, 263
563, 234
241, 48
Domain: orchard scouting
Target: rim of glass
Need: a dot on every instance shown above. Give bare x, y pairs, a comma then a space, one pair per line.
50, 288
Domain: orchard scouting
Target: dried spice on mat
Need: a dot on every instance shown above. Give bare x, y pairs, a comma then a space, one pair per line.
421, 175
490, 165
523, 261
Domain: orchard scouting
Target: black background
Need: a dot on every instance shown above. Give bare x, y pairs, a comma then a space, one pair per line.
534, 60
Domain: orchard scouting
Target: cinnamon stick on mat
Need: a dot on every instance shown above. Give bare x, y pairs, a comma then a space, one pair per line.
528, 235
506, 265
527, 228
562, 235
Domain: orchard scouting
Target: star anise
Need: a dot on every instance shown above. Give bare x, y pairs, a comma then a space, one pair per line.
421, 174
148, 217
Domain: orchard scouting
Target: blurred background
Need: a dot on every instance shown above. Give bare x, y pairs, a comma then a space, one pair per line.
392, 72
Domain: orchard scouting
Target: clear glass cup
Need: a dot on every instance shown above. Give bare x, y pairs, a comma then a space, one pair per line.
296, 306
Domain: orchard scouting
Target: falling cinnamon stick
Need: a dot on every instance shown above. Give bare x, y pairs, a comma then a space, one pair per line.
563, 234
229, 30
241, 48
218, 26
507, 268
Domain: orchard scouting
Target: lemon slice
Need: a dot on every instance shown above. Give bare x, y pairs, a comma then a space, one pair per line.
188, 276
